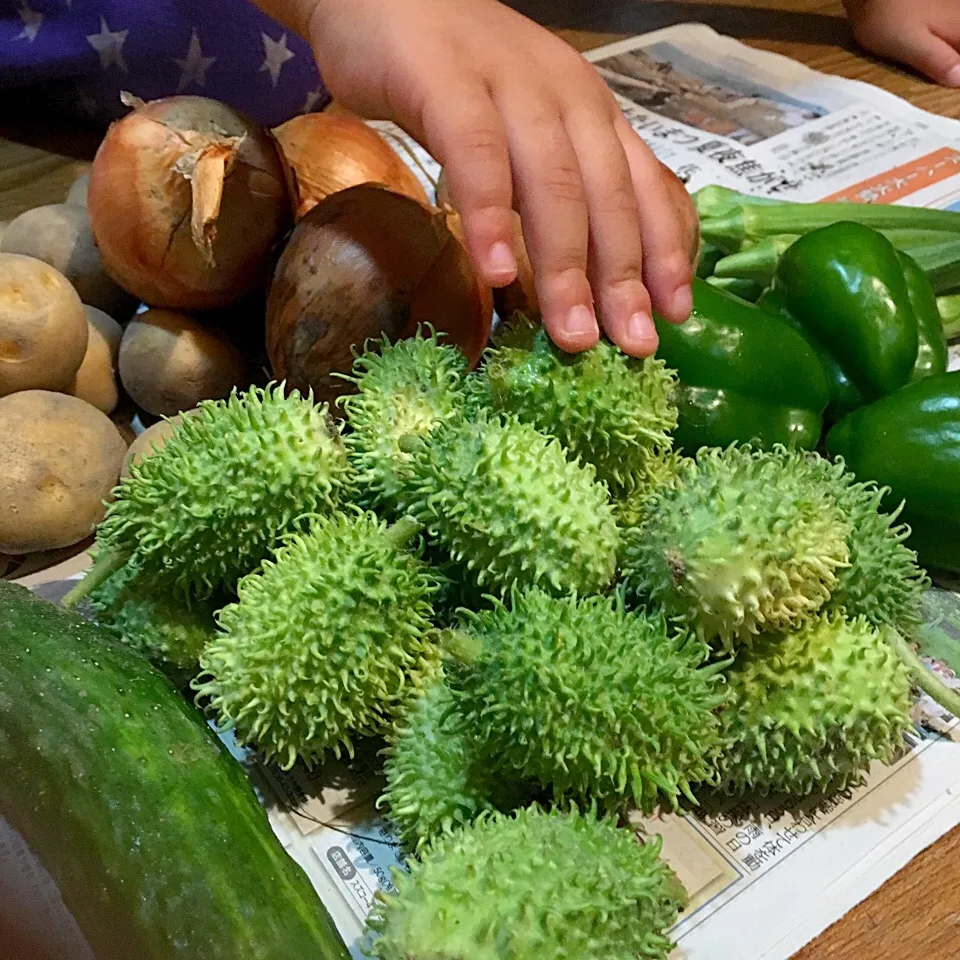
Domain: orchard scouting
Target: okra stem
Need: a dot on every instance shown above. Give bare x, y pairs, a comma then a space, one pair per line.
744, 289
941, 261
949, 307
717, 201
758, 261
754, 221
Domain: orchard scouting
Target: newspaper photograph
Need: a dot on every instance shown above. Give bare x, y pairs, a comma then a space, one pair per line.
717, 111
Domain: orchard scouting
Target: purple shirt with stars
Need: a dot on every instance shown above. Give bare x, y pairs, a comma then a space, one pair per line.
94, 49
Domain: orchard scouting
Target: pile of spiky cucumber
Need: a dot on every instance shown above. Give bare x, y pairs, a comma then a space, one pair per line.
551, 615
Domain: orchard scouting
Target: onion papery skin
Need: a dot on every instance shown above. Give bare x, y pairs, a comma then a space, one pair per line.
187, 200
331, 151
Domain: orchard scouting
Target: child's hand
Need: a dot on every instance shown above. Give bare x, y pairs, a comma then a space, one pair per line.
924, 35
518, 118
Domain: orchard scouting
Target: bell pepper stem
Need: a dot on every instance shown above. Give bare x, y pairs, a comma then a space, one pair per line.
925, 679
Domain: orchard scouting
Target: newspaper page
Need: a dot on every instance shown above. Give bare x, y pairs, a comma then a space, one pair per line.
763, 878
717, 111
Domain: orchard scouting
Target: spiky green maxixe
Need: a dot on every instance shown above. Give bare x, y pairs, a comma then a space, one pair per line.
659, 472
437, 778
532, 886
883, 581
326, 642
588, 699
152, 620
506, 501
743, 542
809, 710
611, 410
403, 390
230, 481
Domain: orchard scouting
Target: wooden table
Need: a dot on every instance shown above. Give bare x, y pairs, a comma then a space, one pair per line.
916, 915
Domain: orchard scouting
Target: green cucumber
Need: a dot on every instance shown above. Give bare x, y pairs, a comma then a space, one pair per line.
149, 827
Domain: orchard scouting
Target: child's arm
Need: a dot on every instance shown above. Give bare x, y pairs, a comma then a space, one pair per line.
924, 34
517, 118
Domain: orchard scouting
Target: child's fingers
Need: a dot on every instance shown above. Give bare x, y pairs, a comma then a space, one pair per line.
914, 44
552, 204
927, 54
667, 269
616, 256
471, 144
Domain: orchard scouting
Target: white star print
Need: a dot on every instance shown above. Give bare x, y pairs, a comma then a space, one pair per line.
109, 44
276, 54
194, 66
311, 101
31, 24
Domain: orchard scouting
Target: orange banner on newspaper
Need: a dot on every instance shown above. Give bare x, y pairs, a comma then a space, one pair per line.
902, 181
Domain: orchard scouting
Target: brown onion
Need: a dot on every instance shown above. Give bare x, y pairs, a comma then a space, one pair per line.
369, 262
327, 152
187, 198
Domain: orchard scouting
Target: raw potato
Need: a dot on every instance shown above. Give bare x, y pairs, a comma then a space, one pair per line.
61, 459
150, 441
169, 362
96, 380
59, 234
43, 329
77, 196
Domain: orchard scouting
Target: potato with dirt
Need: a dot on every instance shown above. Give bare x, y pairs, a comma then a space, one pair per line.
43, 328
96, 380
60, 234
169, 362
60, 460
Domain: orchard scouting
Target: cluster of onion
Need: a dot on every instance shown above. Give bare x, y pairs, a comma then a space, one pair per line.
194, 207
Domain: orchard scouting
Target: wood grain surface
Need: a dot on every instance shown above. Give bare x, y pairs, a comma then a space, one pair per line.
915, 915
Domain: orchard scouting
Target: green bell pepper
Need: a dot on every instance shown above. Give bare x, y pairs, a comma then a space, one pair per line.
845, 286
844, 395
744, 375
931, 338
932, 356
909, 441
